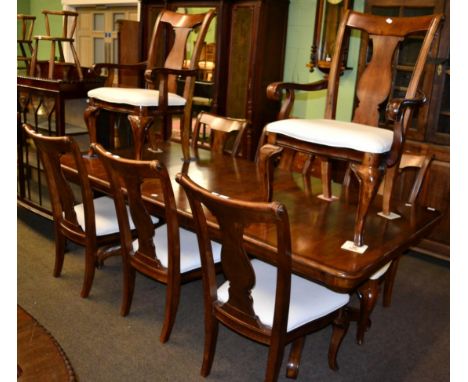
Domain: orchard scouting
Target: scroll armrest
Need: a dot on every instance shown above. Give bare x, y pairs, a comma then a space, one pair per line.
397, 106
276, 89
395, 112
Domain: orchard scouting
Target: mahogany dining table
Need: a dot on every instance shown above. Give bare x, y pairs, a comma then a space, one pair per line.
318, 227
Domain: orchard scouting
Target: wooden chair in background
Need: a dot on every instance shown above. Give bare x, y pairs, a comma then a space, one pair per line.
91, 223
260, 301
69, 22
219, 134
167, 254
143, 105
367, 147
25, 42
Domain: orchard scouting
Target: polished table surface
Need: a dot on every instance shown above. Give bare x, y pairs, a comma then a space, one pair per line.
318, 228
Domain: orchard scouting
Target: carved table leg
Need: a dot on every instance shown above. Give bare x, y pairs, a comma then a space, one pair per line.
368, 294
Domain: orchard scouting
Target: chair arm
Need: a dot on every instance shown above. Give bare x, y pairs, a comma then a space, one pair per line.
276, 89
397, 106
395, 112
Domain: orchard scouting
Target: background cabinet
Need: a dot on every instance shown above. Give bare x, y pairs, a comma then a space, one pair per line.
250, 49
430, 129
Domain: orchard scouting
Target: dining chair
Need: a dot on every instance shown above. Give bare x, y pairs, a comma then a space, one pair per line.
219, 134
158, 99
411, 165
91, 222
167, 254
263, 302
24, 40
68, 24
369, 148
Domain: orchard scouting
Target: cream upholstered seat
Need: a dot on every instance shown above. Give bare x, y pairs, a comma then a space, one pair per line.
166, 253
309, 301
263, 302
134, 96
331, 132
189, 254
157, 101
368, 148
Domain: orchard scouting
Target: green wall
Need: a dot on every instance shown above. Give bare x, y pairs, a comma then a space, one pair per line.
299, 41
35, 7
298, 45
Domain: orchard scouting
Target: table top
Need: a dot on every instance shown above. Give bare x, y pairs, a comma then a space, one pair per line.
318, 228
40, 357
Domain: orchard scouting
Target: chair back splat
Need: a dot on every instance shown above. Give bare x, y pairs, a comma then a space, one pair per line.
158, 100
89, 222
259, 301
221, 135
363, 143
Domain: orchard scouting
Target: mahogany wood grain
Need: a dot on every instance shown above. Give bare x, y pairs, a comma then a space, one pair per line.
318, 228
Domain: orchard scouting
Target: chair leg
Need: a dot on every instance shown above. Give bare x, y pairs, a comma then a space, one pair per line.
369, 175
90, 116
389, 280
275, 357
60, 242
211, 336
326, 178
292, 369
139, 125
129, 275
90, 266
52, 60
172, 303
340, 328
369, 293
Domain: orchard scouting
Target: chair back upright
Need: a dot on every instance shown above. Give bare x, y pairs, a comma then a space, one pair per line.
62, 198
234, 217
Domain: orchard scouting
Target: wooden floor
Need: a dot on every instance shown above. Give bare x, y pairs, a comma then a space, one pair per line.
40, 357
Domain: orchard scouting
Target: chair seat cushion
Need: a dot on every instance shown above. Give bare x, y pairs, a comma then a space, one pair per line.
134, 96
309, 301
329, 132
189, 252
377, 275
106, 217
